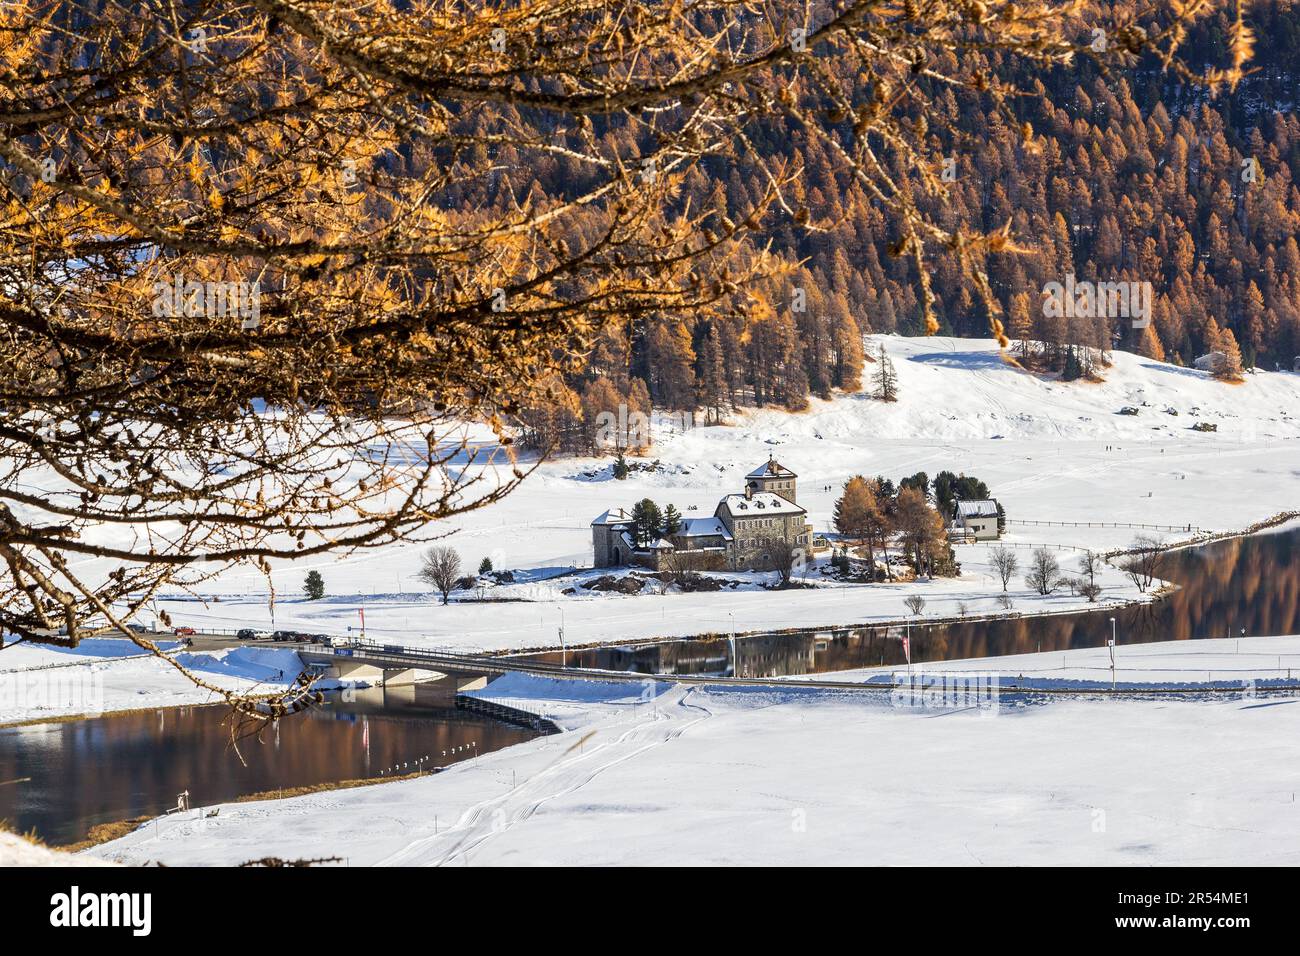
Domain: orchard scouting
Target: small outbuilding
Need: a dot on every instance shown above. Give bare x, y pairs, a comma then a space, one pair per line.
1210, 361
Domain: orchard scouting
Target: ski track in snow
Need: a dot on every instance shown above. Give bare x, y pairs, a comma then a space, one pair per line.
494, 817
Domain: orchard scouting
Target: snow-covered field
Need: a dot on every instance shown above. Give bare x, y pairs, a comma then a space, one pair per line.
729, 776
1237, 661
1049, 451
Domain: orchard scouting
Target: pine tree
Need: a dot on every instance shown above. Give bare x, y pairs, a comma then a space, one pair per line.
314, 585
620, 466
485, 566
647, 519
638, 408
848, 354
600, 405
1149, 345
853, 508
1073, 368
672, 521
1021, 325
860, 516
1228, 368
886, 380
712, 389
672, 376
922, 531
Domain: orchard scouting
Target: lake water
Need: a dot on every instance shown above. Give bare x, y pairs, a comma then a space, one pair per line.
1244, 584
116, 767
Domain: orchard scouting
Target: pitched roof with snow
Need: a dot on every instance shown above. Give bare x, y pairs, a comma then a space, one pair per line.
703, 527
613, 516
762, 504
985, 508
772, 469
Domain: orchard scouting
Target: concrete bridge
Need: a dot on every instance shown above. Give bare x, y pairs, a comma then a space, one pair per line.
359, 660
394, 666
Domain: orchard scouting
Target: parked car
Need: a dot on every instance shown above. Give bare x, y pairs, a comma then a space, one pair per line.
246, 634
296, 636
183, 630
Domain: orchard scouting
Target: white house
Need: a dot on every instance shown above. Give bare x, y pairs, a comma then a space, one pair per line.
977, 518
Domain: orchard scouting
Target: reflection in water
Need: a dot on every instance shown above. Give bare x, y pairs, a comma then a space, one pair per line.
111, 768
1249, 585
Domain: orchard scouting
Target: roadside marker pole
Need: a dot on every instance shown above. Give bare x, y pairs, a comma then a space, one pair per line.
1112, 653
735, 662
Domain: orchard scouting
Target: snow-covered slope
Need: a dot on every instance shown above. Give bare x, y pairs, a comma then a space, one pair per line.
963, 389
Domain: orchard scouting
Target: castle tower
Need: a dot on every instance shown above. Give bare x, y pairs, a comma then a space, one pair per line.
773, 477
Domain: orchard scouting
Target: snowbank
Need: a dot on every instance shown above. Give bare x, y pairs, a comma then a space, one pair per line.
18, 851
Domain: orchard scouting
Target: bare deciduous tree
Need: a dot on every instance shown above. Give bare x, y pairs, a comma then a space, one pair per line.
915, 603
784, 558
1044, 572
440, 569
1005, 563
1090, 563
1144, 559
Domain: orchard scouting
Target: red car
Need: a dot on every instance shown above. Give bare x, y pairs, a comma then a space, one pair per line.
184, 630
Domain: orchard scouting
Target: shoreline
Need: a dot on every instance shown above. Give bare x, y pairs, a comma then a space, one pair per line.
1154, 596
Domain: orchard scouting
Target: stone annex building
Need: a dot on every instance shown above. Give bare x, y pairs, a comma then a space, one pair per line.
741, 535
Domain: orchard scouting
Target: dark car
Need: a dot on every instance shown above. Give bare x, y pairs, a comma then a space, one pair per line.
245, 634
282, 636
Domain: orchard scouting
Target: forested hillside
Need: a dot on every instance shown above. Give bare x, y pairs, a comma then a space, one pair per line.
1127, 175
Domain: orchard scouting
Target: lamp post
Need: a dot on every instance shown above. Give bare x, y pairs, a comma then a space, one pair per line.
564, 652
735, 662
1112, 653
